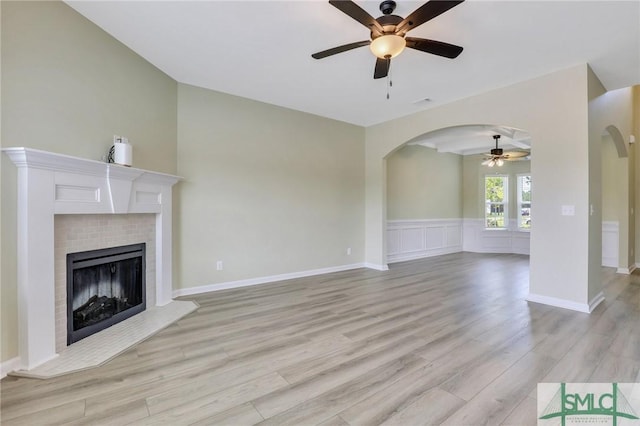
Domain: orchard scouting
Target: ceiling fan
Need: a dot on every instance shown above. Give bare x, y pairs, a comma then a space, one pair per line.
388, 32
498, 157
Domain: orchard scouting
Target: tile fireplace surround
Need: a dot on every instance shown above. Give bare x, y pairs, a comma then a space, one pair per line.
53, 184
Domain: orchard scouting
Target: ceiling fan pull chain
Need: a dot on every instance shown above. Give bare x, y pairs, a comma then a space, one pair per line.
388, 86
389, 81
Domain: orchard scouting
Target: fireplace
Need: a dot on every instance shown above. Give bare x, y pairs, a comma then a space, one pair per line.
104, 287
51, 186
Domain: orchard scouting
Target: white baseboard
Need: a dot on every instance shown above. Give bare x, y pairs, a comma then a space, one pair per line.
269, 279
626, 271
376, 266
8, 366
598, 299
566, 304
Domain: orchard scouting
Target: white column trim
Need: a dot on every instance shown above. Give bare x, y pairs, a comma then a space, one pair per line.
8, 366
567, 304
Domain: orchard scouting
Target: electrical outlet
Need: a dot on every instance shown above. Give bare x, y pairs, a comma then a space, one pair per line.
349, 251
219, 265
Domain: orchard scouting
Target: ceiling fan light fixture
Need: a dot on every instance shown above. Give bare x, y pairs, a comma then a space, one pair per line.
388, 46
500, 162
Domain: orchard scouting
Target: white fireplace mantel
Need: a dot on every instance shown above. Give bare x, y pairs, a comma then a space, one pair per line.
50, 184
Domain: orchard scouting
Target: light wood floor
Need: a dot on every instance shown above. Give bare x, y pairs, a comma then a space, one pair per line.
443, 340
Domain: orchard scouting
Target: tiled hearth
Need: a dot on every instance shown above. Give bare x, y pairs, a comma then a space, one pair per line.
68, 204
77, 233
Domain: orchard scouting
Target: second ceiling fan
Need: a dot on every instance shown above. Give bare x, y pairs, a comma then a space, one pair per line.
497, 156
388, 32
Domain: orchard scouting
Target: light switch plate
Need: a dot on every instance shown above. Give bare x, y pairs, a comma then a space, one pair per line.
568, 210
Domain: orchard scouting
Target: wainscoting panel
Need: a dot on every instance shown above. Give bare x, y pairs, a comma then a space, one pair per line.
520, 243
415, 239
435, 237
477, 239
610, 239
411, 240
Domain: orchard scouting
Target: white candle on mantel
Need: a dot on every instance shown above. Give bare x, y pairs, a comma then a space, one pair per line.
122, 153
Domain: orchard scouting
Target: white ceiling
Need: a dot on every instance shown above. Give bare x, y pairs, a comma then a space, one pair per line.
474, 139
261, 49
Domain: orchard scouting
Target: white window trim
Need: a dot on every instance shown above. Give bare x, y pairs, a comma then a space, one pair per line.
505, 201
519, 202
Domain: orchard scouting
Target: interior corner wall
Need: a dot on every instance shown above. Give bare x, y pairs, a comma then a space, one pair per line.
68, 87
595, 90
612, 174
636, 154
553, 109
424, 184
267, 190
613, 108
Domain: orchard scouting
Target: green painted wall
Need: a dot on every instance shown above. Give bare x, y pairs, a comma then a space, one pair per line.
68, 87
267, 190
423, 184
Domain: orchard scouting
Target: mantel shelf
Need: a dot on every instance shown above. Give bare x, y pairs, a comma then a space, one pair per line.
35, 158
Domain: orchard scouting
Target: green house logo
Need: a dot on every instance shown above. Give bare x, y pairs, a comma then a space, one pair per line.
588, 403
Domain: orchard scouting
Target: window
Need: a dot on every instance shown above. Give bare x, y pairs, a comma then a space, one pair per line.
524, 201
496, 192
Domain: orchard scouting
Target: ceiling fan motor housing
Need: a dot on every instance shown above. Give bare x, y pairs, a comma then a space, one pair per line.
496, 151
387, 7
388, 23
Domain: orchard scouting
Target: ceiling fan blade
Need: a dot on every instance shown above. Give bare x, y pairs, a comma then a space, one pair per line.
340, 49
435, 47
514, 154
356, 12
424, 13
382, 68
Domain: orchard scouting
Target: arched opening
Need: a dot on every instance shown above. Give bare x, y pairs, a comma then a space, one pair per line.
436, 194
617, 139
616, 244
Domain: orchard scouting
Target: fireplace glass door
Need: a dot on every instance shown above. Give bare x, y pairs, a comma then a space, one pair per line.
104, 287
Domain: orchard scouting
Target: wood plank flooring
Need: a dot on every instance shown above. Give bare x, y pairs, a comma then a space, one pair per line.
445, 340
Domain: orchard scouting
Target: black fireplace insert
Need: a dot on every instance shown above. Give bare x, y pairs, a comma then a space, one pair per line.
104, 287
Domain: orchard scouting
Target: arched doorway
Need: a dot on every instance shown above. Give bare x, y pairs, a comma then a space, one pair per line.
617, 240
435, 200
